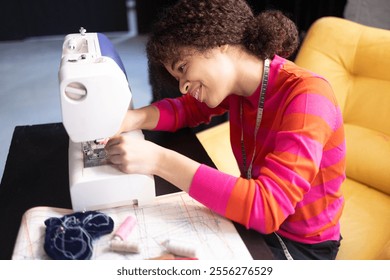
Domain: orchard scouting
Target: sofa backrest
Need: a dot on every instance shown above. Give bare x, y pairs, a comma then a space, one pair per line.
356, 61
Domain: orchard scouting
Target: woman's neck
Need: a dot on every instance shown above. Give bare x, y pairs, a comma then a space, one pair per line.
249, 73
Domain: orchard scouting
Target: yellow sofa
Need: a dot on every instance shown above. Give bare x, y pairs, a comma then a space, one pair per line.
356, 60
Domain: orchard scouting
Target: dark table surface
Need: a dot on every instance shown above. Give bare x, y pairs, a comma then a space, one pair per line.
36, 174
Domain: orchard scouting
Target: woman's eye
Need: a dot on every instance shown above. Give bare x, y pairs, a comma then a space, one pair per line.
181, 67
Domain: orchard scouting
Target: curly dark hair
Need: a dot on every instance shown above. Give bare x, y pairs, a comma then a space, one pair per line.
206, 24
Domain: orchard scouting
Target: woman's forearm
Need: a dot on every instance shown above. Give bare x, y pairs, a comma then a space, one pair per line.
142, 118
177, 169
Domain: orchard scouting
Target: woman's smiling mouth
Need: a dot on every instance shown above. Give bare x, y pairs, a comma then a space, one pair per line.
197, 93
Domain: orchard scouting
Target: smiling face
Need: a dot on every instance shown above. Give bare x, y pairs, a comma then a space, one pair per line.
209, 77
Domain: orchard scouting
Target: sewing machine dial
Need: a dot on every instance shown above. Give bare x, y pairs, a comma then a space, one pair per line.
76, 91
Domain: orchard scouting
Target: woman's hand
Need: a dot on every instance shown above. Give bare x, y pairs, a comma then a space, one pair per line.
133, 155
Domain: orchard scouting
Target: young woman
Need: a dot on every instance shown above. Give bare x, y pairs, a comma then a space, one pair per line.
286, 128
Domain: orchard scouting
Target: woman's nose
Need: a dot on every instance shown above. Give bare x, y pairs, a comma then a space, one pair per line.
184, 87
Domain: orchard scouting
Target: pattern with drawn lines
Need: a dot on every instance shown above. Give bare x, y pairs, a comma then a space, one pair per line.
176, 216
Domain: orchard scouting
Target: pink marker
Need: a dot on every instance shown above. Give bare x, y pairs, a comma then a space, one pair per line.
125, 228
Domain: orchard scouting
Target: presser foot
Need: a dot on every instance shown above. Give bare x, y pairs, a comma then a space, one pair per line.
94, 154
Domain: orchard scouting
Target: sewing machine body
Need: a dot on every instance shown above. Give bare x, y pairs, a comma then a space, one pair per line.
95, 96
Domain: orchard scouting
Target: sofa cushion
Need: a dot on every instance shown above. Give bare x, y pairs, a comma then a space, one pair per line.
368, 98
368, 157
362, 240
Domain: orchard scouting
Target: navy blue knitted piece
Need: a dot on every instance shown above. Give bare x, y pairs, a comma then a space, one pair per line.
70, 237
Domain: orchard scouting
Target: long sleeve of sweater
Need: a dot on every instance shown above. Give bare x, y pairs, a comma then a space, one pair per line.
184, 111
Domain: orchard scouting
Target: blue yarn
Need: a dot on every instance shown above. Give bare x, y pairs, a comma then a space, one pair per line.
71, 236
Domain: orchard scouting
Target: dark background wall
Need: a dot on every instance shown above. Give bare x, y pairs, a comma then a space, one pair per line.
28, 18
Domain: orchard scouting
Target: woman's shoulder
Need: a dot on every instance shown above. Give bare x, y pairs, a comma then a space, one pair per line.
292, 79
287, 71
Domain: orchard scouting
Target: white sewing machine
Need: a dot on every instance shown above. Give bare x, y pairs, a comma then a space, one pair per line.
95, 96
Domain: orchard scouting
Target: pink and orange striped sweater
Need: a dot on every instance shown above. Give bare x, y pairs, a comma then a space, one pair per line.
299, 163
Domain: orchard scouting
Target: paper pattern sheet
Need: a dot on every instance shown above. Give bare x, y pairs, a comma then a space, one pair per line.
175, 216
